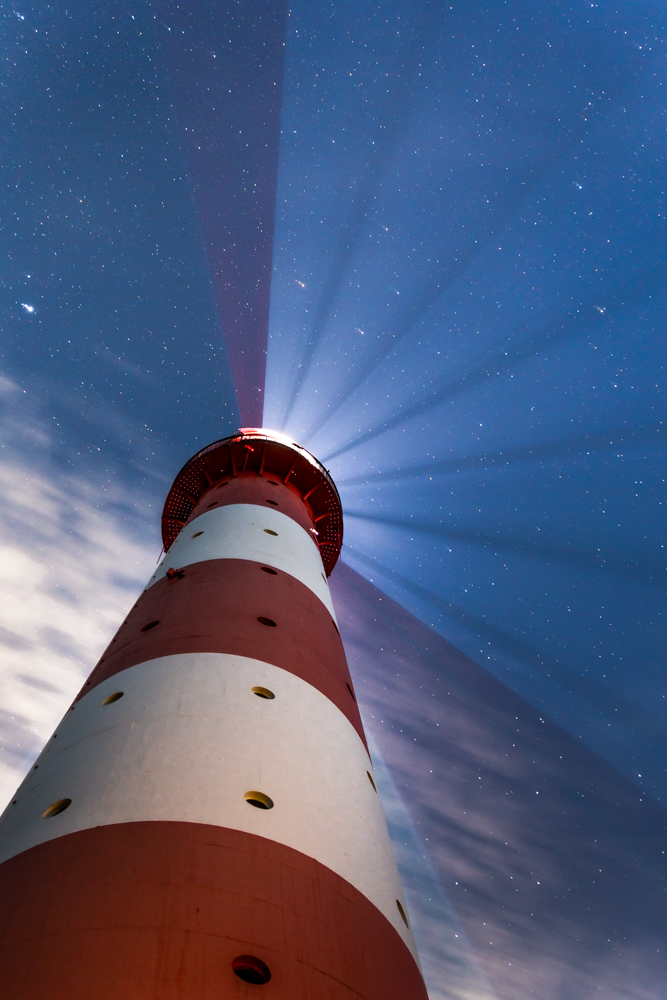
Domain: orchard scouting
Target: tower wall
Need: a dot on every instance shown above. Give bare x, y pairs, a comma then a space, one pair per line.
209, 796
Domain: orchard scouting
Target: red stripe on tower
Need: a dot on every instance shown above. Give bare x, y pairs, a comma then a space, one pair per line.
205, 821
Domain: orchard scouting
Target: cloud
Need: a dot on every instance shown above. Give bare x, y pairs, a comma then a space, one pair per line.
71, 565
449, 965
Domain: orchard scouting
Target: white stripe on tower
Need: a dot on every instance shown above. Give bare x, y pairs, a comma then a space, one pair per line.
239, 531
185, 742
206, 812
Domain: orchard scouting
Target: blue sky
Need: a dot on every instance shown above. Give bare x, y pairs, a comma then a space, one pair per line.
463, 209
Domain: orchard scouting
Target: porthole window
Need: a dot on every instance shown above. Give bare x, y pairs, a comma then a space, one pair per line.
262, 692
56, 807
259, 800
197, 534
272, 482
251, 970
267, 531
370, 778
150, 625
274, 502
271, 572
402, 913
266, 621
113, 697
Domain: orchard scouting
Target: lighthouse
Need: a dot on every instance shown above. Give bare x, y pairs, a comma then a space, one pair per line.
204, 823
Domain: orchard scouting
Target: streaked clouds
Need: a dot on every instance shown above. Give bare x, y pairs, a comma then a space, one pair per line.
72, 565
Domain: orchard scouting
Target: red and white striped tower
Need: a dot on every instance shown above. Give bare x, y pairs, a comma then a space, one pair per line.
204, 822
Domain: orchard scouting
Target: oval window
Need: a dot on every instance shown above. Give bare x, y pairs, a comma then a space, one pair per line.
259, 800
113, 697
251, 970
402, 913
56, 807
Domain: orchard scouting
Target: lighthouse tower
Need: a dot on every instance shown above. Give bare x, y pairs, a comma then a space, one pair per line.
204, 823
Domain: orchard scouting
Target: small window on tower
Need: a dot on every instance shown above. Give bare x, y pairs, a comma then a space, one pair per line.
116, 696
57, 807
251, 970
259, 800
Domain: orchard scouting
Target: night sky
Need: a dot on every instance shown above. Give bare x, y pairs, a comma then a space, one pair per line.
427, 240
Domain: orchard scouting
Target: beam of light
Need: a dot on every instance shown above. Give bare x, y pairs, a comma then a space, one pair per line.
213, 55
647, 573
614, 438
501, 189
501, 638
518, 190
520, 650
558, 680
519, 354
549, 335
395, 107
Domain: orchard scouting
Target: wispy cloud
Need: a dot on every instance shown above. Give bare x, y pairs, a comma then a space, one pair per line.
449, 965
71, 566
